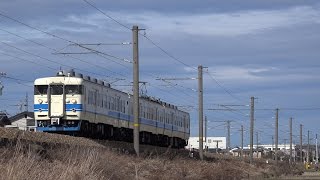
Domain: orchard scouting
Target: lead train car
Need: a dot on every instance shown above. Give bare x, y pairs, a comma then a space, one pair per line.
72, 104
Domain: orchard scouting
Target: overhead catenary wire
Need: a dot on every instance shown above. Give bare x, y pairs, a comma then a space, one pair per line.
50, 34
55, 50
149, 39
26, 60
19, 81
53, 35
46, 59
155, 44
61, 38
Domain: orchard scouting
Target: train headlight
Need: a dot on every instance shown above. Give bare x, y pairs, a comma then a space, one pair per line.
74, 101
67, 100
40, 101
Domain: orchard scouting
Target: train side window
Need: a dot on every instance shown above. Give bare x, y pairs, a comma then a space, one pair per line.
40, 89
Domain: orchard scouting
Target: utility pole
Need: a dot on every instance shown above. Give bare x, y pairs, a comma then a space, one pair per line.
136, 125
276, 135
290, 124
272, 145
205, 131
217, 146
228, 140
241, 141
2, 74
301, 153
308, 148
26, 103
200, 82
257, 136
251, 129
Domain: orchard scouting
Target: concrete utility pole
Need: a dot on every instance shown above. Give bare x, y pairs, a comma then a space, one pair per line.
217, 146
301, 153
257, 136
228, 140
290, 124
26, 103
136, 125
317, 155
200, 82
241, 141
251, 129
205, 131
308, 148
276, 135
2, 74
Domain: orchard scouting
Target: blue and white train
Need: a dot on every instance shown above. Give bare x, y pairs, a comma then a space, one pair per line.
71, 103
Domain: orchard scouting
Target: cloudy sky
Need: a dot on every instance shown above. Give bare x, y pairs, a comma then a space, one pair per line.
268, 49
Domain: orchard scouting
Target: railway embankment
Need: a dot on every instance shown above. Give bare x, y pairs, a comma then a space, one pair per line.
34, 155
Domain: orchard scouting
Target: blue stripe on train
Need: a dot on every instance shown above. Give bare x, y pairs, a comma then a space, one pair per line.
58, 128
69, 107
118, 115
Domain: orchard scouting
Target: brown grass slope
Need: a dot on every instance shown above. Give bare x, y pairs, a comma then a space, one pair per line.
85, 159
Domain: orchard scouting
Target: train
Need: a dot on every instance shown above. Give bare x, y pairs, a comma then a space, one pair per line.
74, 104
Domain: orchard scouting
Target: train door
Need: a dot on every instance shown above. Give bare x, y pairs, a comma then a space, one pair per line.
56, 98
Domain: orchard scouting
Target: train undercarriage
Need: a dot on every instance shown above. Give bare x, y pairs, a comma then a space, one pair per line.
108, 132
104, 131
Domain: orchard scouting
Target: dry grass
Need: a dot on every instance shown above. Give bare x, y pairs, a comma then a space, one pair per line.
70, 162
20, 160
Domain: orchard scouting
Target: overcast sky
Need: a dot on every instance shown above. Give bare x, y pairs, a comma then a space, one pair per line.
268, 49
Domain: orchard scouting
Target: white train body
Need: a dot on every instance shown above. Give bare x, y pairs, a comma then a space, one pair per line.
64, 102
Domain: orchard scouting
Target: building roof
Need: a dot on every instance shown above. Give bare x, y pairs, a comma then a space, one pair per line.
4, 119
21, 115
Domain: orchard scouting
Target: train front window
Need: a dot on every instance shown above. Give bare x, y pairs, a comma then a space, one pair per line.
73, 89
56, 89
40, 89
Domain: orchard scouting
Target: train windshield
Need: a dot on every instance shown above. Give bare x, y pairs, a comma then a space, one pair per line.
56, 89
40, 89
73, 89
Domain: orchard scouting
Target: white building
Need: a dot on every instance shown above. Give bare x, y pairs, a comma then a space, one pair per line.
23, 121
282, 147
211, 143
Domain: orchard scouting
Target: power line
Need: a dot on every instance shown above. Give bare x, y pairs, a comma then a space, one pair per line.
167, 53
53, 35
93, 6
126, 27
219, 84
49, 60
149, 39
101, 54
18, 81
23, 60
